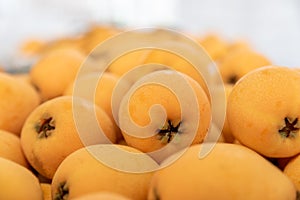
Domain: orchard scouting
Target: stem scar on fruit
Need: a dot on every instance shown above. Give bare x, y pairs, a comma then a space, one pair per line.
44, 127
232, 79
168, 132
289, 129
62, 191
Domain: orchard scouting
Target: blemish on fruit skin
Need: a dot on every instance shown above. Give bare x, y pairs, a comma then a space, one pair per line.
290, 128
62, 191
278, 104
249, 125
45, 127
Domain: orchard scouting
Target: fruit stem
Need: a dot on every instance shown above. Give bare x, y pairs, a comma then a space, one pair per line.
168, 133
289, 128
62, 191
44, 127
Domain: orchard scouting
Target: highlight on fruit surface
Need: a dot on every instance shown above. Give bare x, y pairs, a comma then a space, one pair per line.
102, 196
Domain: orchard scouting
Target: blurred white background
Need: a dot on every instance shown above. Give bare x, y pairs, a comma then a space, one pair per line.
271, 26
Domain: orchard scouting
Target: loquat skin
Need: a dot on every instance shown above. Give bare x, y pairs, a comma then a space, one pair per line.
51, 133
53, 72
175, 125
17, 102
291, 170
17, 182
61, 44
215, 46
95, 36
228, 172
85, 166
128, 61
226, 132
216, 92
263, 111
10, 148
238, 63
102, 96
177, 63
32, 47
